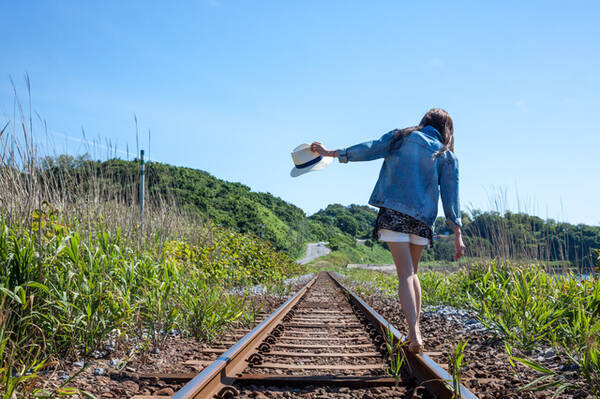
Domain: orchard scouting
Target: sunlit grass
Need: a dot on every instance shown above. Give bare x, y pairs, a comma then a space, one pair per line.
526, 306
77, 273
83, 292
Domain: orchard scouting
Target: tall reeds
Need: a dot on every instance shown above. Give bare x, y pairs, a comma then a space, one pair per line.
500, 233
77, 274
36, 180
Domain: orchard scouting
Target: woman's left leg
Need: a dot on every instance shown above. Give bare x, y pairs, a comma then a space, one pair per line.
416, 251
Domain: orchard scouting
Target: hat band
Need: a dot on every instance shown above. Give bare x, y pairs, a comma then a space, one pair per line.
309, 163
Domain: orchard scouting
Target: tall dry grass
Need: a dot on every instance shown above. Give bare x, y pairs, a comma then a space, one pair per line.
77, 274
505, 234
36, 180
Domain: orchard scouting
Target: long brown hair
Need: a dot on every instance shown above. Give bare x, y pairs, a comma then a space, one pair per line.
437, 118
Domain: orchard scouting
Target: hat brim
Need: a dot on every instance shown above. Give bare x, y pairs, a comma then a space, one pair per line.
322, 164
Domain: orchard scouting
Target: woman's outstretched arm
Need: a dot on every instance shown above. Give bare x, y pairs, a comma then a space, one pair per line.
367, 151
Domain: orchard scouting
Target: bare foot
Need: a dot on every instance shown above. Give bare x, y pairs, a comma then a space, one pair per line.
415, 347
415, 341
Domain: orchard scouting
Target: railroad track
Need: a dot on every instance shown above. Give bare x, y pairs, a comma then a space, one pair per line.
324, 336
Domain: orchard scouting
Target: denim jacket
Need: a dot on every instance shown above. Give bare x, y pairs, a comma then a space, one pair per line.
411, 180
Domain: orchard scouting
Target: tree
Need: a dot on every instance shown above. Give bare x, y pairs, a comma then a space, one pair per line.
347, 224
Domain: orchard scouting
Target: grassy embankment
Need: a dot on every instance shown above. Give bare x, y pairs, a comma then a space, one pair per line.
77, 275
522, 303
346, 250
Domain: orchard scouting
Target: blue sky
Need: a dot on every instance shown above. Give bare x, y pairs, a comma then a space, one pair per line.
231, 87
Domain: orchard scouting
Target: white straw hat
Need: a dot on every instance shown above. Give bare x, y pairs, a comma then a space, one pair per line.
307, 161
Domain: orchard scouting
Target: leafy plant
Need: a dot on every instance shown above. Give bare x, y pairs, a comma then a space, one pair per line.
395, 354
456, 365
590, 364
208, 309
521, 302
549, 378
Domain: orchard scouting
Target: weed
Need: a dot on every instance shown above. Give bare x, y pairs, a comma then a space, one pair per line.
76, 271
549, 378
522, 303
456, 365
395, 354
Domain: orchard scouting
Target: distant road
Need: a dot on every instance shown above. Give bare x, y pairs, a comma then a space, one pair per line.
314, 251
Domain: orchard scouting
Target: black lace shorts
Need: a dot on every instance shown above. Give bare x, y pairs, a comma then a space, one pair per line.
397, 221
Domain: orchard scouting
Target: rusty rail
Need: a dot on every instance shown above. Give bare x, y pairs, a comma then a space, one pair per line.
216, 381
218, 377
425, 370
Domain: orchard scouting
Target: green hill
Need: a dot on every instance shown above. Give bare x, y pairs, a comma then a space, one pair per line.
354, 220
227, 204
234, 205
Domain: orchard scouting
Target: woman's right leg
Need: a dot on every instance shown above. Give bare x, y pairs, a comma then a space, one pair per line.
406, 287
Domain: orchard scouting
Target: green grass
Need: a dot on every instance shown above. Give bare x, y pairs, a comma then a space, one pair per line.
449, 265
522, 303
456, 366
77, 271
276, 229
351, 252
63, 295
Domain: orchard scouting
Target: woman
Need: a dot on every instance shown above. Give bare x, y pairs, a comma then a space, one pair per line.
419, 165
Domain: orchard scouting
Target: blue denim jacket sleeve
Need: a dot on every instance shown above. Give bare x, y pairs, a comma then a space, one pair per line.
367, 151
449, 189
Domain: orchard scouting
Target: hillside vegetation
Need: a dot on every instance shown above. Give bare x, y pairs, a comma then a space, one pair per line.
488, 234
78, 273
80, 276
234, 205
225, 204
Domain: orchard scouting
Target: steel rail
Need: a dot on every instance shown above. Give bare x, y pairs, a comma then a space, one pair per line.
425, 370
218, 377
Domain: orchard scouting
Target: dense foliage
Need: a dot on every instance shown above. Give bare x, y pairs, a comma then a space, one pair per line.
354, 220
65, 295
234, 205
526, 306
522, 236
80, 273
226, 204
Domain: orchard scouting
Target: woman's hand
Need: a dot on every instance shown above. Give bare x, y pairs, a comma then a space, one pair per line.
458, 244
319, 149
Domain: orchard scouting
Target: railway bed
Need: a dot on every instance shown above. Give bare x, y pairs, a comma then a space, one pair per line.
323, 342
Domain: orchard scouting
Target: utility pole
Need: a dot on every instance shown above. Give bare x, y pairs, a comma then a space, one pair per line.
142, 173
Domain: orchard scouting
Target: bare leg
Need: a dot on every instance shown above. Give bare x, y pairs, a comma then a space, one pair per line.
416, 251
406, 287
